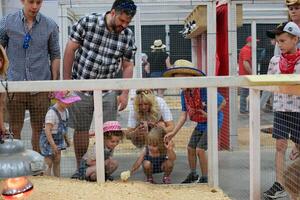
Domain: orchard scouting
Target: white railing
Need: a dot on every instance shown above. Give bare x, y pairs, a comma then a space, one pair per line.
255, 83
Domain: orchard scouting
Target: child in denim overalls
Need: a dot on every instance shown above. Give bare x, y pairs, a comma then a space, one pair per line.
157, 156
54, 133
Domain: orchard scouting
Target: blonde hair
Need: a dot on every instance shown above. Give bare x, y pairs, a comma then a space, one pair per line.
156, 137
146, 96
3, 55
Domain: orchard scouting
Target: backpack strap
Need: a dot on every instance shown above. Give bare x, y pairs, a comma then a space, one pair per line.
57, 113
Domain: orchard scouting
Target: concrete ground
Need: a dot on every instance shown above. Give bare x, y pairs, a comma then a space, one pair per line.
233, 165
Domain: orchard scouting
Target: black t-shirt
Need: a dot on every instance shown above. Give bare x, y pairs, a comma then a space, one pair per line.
264, 65
157, 61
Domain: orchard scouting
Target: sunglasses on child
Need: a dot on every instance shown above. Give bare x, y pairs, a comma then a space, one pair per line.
26, 41
143, 92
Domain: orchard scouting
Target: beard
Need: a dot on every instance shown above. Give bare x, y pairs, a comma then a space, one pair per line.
115, 28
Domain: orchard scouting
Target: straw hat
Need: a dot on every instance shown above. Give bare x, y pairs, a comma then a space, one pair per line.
291, 2
5, 61
157, 44
183, 67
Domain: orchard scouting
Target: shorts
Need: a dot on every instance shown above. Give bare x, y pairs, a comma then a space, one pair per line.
286, 125
198, 139
81, 112
37, 104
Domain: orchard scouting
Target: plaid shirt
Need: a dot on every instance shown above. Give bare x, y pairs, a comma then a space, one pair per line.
101, 51
32, 63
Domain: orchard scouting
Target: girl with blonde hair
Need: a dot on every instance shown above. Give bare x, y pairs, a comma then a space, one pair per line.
157, 156
146, 112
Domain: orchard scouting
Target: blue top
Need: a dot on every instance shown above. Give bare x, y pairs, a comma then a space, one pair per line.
203, 94
32, 63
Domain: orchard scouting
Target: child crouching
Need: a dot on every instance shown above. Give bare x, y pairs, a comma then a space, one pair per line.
156, 157
113, 134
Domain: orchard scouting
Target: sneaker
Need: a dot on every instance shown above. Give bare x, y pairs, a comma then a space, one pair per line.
108, 177
276, 191
166, 180
191, 178
202, 179
150, 180
76, 175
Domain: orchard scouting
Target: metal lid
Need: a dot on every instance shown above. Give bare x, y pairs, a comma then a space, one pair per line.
15, 161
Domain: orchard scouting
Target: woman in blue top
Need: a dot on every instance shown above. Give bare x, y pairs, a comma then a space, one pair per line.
193, 102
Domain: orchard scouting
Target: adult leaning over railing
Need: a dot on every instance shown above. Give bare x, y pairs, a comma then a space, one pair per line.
147, 111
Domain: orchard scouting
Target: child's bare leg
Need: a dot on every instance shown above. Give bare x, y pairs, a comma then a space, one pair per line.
281, 146
90, 171
202, 160
167, 167
147, 168
49, 165
56, 164
192, 158
111, 166
93, 177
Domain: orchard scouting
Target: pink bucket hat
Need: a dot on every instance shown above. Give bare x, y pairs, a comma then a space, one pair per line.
66, 97
111, 126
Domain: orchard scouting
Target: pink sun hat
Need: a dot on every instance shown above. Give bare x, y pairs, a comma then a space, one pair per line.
112, 126
66, 97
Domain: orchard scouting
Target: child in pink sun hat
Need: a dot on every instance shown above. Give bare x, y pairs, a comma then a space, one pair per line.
113, 134
54, 133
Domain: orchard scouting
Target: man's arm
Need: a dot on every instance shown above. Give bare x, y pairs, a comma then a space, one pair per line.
55, 69
3, 36
127, 73
247, 66
69, 56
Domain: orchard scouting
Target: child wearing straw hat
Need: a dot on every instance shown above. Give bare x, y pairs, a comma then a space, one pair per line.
3, 69
53, 136
193, 102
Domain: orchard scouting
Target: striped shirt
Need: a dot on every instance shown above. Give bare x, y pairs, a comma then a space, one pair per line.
100, 51
32, 63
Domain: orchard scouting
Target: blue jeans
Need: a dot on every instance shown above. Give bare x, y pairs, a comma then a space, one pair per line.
244, 93
265, 96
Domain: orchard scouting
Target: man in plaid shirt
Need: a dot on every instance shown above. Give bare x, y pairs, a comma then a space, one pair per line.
99, 45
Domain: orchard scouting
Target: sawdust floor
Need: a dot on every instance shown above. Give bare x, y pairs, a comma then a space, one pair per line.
67, 189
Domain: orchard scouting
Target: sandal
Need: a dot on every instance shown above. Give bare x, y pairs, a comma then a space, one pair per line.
150, 180
166, 180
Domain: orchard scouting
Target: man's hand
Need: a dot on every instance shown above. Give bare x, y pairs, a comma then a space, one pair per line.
122, 101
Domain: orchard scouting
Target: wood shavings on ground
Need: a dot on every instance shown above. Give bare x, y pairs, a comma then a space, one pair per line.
67, 189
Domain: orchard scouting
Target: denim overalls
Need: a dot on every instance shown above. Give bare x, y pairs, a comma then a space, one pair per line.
58, 138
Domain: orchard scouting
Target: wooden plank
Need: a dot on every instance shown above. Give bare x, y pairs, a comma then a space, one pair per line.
98, 115
212, 137
254, 124
279, 79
